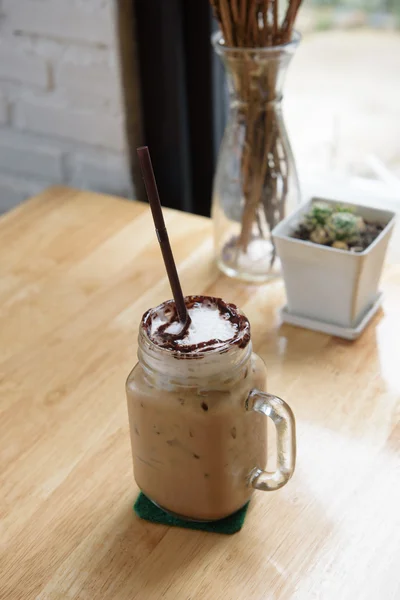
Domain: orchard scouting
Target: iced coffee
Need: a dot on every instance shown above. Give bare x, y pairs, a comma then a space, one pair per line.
198, 428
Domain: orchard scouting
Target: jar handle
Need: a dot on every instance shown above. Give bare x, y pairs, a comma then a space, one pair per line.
284, 421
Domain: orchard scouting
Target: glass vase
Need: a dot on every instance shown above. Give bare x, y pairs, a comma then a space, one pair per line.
256, 182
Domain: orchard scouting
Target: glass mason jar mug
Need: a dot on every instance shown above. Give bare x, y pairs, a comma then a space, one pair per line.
198, 429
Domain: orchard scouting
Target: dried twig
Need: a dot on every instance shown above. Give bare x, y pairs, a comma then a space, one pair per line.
254, 24
246, 23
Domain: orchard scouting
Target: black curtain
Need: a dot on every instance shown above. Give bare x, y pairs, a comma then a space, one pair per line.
183, 102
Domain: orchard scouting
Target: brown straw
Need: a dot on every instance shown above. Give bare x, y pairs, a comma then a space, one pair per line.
161, 231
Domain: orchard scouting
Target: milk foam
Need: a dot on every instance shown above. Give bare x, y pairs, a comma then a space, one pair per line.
207, 323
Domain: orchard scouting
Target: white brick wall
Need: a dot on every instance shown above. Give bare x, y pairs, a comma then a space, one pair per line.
88, 22
100, 172
66, 122
16, 66
14, 190
3, 110
20, 154
61, 109
98, 79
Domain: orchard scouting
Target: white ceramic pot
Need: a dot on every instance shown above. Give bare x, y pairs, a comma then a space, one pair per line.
326, 284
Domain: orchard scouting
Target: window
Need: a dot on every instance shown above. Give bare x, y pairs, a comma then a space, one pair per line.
342, 104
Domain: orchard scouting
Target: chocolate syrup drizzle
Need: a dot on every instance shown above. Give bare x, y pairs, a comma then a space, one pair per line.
169, 340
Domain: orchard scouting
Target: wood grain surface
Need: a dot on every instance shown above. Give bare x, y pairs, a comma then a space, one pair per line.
77, 271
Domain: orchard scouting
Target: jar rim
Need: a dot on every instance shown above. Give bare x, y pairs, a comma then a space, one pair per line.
193, 351
225, 348
218, 42
189, 369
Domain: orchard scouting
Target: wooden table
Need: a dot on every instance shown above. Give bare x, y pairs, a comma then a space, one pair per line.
77, 271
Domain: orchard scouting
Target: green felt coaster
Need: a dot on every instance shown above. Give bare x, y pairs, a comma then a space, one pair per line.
148, 511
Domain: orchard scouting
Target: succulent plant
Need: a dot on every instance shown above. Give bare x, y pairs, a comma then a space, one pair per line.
340, 245
361, 224
319, 235
344, 209
318, 215
343, 226
321, 211
332, 224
